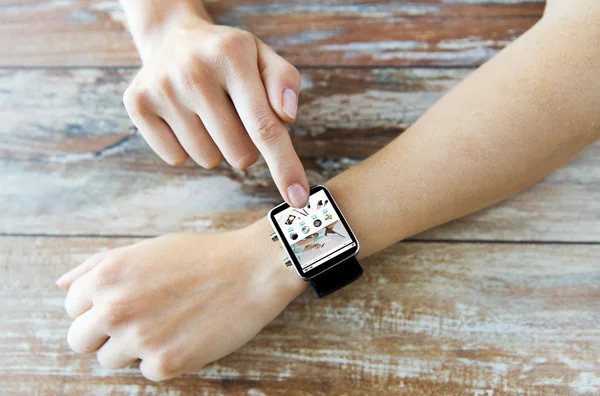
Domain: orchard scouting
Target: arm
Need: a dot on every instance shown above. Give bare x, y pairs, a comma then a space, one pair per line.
513, 121
212, 92
510, 123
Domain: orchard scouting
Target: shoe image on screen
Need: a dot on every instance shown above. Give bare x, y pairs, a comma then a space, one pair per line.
321, 245
290, 219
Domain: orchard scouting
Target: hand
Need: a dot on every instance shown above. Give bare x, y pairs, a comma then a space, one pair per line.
176, 302
209, 92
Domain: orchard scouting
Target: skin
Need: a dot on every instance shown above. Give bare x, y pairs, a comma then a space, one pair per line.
513, 121
212, 92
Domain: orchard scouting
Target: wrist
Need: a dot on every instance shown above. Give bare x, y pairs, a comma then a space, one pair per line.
148, 28
268, 257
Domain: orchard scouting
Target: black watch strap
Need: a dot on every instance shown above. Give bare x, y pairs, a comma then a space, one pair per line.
337, 277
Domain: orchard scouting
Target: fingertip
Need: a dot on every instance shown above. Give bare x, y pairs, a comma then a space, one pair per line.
62, 285
64, 280
176, 161
297, 195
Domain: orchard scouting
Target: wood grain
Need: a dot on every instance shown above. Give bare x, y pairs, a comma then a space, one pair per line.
73, 164
427, 318
446, 313
315, 33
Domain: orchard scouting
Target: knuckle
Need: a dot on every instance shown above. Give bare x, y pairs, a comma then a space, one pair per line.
162, 366
72, 341
231, 46
231, 41
268, 129
168, 363
150, 372
76, 342
137, 101
74, 291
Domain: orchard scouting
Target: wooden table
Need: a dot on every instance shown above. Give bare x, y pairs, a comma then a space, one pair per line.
506, 301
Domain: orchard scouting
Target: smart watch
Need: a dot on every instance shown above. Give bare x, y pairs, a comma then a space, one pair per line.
319, 242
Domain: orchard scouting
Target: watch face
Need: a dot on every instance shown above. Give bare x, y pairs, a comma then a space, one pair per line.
317, 236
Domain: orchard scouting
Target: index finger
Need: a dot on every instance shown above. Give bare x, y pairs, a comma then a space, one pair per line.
270, 136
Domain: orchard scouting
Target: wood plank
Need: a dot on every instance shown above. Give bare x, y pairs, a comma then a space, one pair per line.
336, 32
427, 318
72, 163
343, 113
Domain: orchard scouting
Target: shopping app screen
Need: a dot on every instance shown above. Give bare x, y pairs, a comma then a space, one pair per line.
315, 232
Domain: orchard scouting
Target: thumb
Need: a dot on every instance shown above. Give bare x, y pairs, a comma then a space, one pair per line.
281, 81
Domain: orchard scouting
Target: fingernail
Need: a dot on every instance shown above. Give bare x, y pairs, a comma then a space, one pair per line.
298, 195
290, 102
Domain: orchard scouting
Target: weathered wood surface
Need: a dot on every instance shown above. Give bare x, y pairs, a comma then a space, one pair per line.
335, 32
456, 317
72, 163
431, 318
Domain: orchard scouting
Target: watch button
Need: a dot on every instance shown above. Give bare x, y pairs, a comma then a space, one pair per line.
287, 262
274, 237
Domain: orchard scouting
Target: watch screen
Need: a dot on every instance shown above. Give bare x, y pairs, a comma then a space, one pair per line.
315, 234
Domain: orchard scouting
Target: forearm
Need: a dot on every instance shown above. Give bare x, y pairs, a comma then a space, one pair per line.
509, 124
149, 19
